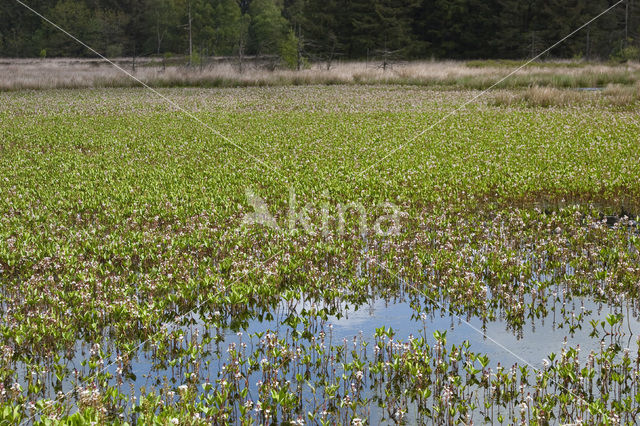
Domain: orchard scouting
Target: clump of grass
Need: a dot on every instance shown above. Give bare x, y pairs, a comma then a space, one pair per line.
542, 97
618, 95
549, 96
614, 95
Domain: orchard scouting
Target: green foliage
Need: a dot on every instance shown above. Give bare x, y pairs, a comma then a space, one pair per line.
330, 28
195, 58
627, 53
203, 25
382, 24
218, 27
118, 217
289, 50
230, 27
268, 27
161, 25
76, 18
11, 414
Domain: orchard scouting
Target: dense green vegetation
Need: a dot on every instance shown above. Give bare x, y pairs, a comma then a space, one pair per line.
321, 29
125, 267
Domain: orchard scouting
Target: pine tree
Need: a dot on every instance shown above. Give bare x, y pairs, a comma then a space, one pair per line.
228, 24
22, 33
324, 29
458, 29
76, 18
268, 27
382, 25
162, 20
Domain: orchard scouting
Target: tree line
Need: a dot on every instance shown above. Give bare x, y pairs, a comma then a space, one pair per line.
321, 30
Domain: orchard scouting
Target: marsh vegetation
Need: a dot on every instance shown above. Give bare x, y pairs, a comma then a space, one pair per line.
132, 292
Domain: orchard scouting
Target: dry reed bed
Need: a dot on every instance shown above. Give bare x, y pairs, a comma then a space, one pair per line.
57, 73
613, 95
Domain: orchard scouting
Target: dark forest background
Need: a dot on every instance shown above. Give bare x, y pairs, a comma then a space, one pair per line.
312, 30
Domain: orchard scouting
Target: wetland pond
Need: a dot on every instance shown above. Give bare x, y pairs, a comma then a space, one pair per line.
336, 361
520, 322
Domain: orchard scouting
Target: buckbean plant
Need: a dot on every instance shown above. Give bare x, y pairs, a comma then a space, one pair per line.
133, 290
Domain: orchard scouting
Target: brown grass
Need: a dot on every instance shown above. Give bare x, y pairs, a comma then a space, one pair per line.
614, 95
540, 97
618, 95
81, 73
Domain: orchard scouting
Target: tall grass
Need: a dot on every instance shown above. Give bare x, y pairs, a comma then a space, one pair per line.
59, 73
613, 95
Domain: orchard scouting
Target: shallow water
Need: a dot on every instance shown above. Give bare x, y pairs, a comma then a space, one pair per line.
534, 342
504, 346
498, 338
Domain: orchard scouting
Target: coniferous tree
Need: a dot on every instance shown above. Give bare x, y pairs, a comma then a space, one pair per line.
458, 29
516, 29
325, 30
22, 33
162, 21
382, 25
322, 29
229, 27
268, 28
75, 17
